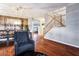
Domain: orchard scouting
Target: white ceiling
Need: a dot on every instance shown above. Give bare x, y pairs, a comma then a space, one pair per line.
29, 9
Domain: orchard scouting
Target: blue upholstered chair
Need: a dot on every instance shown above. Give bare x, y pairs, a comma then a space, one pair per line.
23, 42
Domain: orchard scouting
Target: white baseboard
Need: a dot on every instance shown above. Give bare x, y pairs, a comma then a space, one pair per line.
62, 42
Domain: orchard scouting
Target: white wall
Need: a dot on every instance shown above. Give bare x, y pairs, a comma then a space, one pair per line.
40, 21
42, 25
33, 24
70, 34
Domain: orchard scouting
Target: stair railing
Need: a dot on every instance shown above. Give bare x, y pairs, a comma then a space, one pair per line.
56, 21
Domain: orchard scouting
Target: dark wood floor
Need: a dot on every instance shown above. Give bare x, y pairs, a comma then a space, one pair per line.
45, 46
7, 50
52, 48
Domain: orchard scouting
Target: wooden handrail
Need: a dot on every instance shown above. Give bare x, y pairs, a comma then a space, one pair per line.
48, 29
55, 19
49, 22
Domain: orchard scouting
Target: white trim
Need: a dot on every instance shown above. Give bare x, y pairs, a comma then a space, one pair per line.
63, 42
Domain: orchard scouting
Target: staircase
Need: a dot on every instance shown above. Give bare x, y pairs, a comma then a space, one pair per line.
56, 21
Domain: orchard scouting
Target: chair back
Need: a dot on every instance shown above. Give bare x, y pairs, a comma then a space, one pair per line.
21, 38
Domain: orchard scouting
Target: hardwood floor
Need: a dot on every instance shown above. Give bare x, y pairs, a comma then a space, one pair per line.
7, 50
52, 48
45, 46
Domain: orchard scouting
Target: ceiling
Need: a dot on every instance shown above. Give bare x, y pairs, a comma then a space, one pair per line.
28, 9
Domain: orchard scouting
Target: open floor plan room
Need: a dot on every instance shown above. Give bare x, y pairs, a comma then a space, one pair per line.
39, 29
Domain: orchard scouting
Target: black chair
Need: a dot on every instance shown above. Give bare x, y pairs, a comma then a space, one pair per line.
23, 42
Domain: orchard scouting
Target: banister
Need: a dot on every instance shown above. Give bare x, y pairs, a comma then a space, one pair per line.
55, 18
